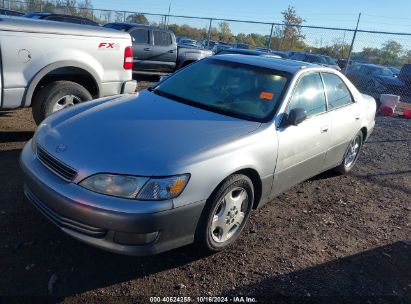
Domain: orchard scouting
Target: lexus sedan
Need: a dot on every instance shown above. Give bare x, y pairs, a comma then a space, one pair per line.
188, 159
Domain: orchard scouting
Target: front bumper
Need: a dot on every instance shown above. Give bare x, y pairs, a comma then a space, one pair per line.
129, 87
76, 211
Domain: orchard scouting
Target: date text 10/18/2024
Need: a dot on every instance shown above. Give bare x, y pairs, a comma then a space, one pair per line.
235, 299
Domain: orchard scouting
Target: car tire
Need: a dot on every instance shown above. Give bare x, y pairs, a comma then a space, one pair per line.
225, 214
57, 95
351, 154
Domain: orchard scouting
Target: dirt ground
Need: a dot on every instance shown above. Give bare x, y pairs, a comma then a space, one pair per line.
332, 239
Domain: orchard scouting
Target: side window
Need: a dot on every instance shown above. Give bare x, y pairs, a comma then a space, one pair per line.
309, 95
140, 36
162, 38
338, 94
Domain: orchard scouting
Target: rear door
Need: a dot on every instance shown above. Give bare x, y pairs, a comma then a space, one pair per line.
345, 118
302, 148
164, 53
142, 48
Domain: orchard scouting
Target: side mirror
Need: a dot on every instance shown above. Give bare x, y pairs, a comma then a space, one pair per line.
296, 116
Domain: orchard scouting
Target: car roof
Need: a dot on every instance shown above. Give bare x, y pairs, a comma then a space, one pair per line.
371, 65
130, 25
243, 51
286, 65
60, 15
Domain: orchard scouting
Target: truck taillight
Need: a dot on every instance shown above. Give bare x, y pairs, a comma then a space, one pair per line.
128, 58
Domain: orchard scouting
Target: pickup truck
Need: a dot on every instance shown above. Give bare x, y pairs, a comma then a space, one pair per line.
51, 65
155, 50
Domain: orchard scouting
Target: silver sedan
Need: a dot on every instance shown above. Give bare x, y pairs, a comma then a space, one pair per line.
188, 159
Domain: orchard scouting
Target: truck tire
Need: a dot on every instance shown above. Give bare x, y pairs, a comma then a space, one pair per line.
56, 96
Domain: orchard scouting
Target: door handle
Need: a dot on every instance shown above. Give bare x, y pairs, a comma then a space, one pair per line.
357, 117
147, 49
324, 129
171, 51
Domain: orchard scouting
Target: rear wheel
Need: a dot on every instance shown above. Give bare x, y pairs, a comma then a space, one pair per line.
351, 154
225, 214
57, 96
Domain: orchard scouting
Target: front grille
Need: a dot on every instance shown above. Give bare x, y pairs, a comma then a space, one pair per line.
58, 167
63, 222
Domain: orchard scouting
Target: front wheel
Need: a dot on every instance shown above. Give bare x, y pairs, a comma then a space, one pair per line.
56, 96
351, 155
226, 213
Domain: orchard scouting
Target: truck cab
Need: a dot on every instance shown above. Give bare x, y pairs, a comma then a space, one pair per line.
155, 49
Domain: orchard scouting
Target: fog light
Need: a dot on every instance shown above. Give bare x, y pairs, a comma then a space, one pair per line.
126, 238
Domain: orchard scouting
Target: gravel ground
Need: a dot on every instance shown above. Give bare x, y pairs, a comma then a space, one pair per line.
341, 239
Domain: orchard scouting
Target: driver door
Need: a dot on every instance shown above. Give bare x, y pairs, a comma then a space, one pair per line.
302, 148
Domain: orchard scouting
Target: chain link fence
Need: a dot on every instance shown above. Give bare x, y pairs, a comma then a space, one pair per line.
376, 62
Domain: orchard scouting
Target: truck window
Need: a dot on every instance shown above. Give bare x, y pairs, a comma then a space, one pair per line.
140, 36
162, 38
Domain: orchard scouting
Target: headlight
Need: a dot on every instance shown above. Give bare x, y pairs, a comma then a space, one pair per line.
34, 142
158, 189
134, 187
116, 185
34, 138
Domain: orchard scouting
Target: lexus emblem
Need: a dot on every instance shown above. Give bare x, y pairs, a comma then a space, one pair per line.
61, 148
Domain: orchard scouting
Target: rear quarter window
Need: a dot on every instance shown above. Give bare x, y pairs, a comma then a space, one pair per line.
140, 36
162, 38
338, 95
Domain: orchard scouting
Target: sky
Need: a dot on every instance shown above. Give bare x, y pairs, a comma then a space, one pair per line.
381, 15
376, 15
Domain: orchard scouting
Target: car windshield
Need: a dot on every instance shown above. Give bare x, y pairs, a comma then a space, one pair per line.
316, 59
230, 88
329, 60
382, 71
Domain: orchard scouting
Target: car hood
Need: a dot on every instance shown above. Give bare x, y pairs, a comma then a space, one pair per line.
390, 80
142, 134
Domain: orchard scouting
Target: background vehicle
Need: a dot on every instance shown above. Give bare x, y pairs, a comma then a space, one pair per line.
405, 74
375, 80
51, 65
61, 18
219, 46
215, 140
240, 46
155, 50
187, 42
247, 52
315, 58
7, 12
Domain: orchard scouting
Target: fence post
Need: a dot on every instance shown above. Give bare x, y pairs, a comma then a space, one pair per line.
352, 43
9, 4
269, 40
209, 34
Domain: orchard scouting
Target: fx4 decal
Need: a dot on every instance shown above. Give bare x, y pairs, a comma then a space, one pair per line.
108, 45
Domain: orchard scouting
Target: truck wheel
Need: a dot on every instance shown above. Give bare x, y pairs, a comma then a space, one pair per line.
351, 155
56, 96
225, 214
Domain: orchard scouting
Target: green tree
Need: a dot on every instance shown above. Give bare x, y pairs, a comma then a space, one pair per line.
85, 9
390, 53
290, 33
137, 18
406, 59
225, 32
